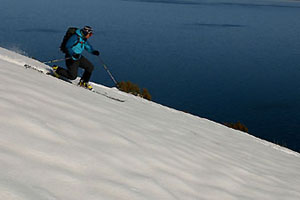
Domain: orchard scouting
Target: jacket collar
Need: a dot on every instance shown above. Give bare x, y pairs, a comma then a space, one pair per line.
78, 32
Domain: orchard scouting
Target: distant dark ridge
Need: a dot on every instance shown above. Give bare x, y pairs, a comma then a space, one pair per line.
39, 30
246, 4
216, 25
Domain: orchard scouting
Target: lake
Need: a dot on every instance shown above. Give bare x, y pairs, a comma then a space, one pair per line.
227, 61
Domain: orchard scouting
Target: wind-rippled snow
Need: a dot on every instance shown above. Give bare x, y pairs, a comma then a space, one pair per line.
60, 142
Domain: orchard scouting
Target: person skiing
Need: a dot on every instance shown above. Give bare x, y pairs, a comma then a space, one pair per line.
74, 47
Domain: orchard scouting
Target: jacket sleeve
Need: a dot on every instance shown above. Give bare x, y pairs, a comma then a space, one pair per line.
88, 47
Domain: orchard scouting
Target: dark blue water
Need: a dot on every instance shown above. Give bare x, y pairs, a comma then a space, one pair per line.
226, 60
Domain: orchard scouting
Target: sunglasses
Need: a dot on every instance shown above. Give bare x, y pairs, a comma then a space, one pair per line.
89, 34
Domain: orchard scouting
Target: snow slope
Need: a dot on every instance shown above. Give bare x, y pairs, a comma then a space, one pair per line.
62, 142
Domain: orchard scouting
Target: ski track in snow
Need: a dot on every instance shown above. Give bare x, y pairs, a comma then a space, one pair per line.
60, 142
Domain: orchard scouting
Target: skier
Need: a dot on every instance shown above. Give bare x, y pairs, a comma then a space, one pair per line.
74, 47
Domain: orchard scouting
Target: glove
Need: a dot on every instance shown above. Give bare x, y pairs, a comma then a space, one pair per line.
76, 56
96, 53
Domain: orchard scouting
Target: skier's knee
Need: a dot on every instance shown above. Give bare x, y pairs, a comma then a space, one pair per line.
90, 68
73, 76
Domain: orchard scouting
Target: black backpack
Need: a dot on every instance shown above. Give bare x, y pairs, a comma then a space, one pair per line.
71, 31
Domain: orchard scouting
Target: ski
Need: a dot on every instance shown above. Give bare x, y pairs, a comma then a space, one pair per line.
34, 68
106, 95
49, 73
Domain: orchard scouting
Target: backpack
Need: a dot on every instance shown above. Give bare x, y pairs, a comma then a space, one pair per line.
71, 31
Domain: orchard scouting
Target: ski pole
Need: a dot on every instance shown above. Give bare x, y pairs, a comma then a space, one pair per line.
107, 70
57, 60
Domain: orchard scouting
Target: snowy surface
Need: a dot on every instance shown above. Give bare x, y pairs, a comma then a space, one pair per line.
61, 142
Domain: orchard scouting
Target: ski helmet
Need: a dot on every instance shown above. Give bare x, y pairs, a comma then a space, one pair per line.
87, 30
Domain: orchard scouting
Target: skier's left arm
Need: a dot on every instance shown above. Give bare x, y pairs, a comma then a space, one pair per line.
90, 49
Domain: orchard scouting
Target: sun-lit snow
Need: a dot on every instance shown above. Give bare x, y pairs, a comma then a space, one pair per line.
62, 142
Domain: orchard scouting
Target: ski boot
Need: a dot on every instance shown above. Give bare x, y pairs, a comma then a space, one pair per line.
54, 68
85, 85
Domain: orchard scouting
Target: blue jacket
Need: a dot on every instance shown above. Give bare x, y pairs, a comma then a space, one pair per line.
77, 43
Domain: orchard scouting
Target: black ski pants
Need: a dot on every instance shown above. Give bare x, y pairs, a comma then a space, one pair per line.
72, 65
